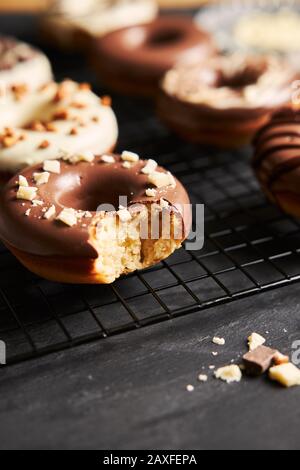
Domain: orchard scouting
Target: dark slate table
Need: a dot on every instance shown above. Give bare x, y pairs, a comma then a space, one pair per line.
129, 391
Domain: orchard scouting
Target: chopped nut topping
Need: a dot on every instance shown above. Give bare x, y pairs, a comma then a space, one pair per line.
9, 132
255, 340
28, 212
151, 192
41, 178
27, 193
127, 165
150, 167
229, 374
106, 101
52, 166
68, 217
8, 142
74, 131
218, 341
130, 157
161, 180
85, 86
124, 215
51, 127
23, 181
64, 90
44, 144
61, 115
37, 126
287, 375
108, 159
78, 105
51, 212
19, 91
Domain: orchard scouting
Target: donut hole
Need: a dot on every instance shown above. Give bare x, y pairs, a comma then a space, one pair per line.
241, 74
240, 79
73, 192
139, 37
165, 38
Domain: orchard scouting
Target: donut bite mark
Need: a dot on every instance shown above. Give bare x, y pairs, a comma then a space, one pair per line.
35, 125
133, 60
224, 102
276, 161
63, 219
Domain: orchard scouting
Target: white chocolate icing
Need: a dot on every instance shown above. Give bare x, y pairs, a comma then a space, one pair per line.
95, 125
196, 84
97, 17
34, 72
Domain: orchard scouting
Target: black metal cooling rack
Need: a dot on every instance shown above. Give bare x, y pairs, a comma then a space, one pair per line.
250, 246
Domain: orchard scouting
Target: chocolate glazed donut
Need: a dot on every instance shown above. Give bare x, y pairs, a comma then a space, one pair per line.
133, 60
51, 221
277, 160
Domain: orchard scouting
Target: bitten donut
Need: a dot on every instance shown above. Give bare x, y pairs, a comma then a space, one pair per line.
65, 219
35, 125
224, 102
277, 160
22, 64
72, 24
133, 60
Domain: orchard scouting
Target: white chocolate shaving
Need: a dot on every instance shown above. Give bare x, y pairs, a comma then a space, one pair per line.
51, 212
27, 193
255, 340
130, 157
108, 159
150, 167
52, 166
41, 178
23, 181
87, 156
161, 180
68, 217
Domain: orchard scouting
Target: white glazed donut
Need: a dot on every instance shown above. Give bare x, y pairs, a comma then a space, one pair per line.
71, 21
36, 125
21, 63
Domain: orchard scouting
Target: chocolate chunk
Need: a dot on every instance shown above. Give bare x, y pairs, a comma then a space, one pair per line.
257, 362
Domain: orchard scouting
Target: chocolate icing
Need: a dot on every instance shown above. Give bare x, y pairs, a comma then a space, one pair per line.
144, 53
277, 151
82, 186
